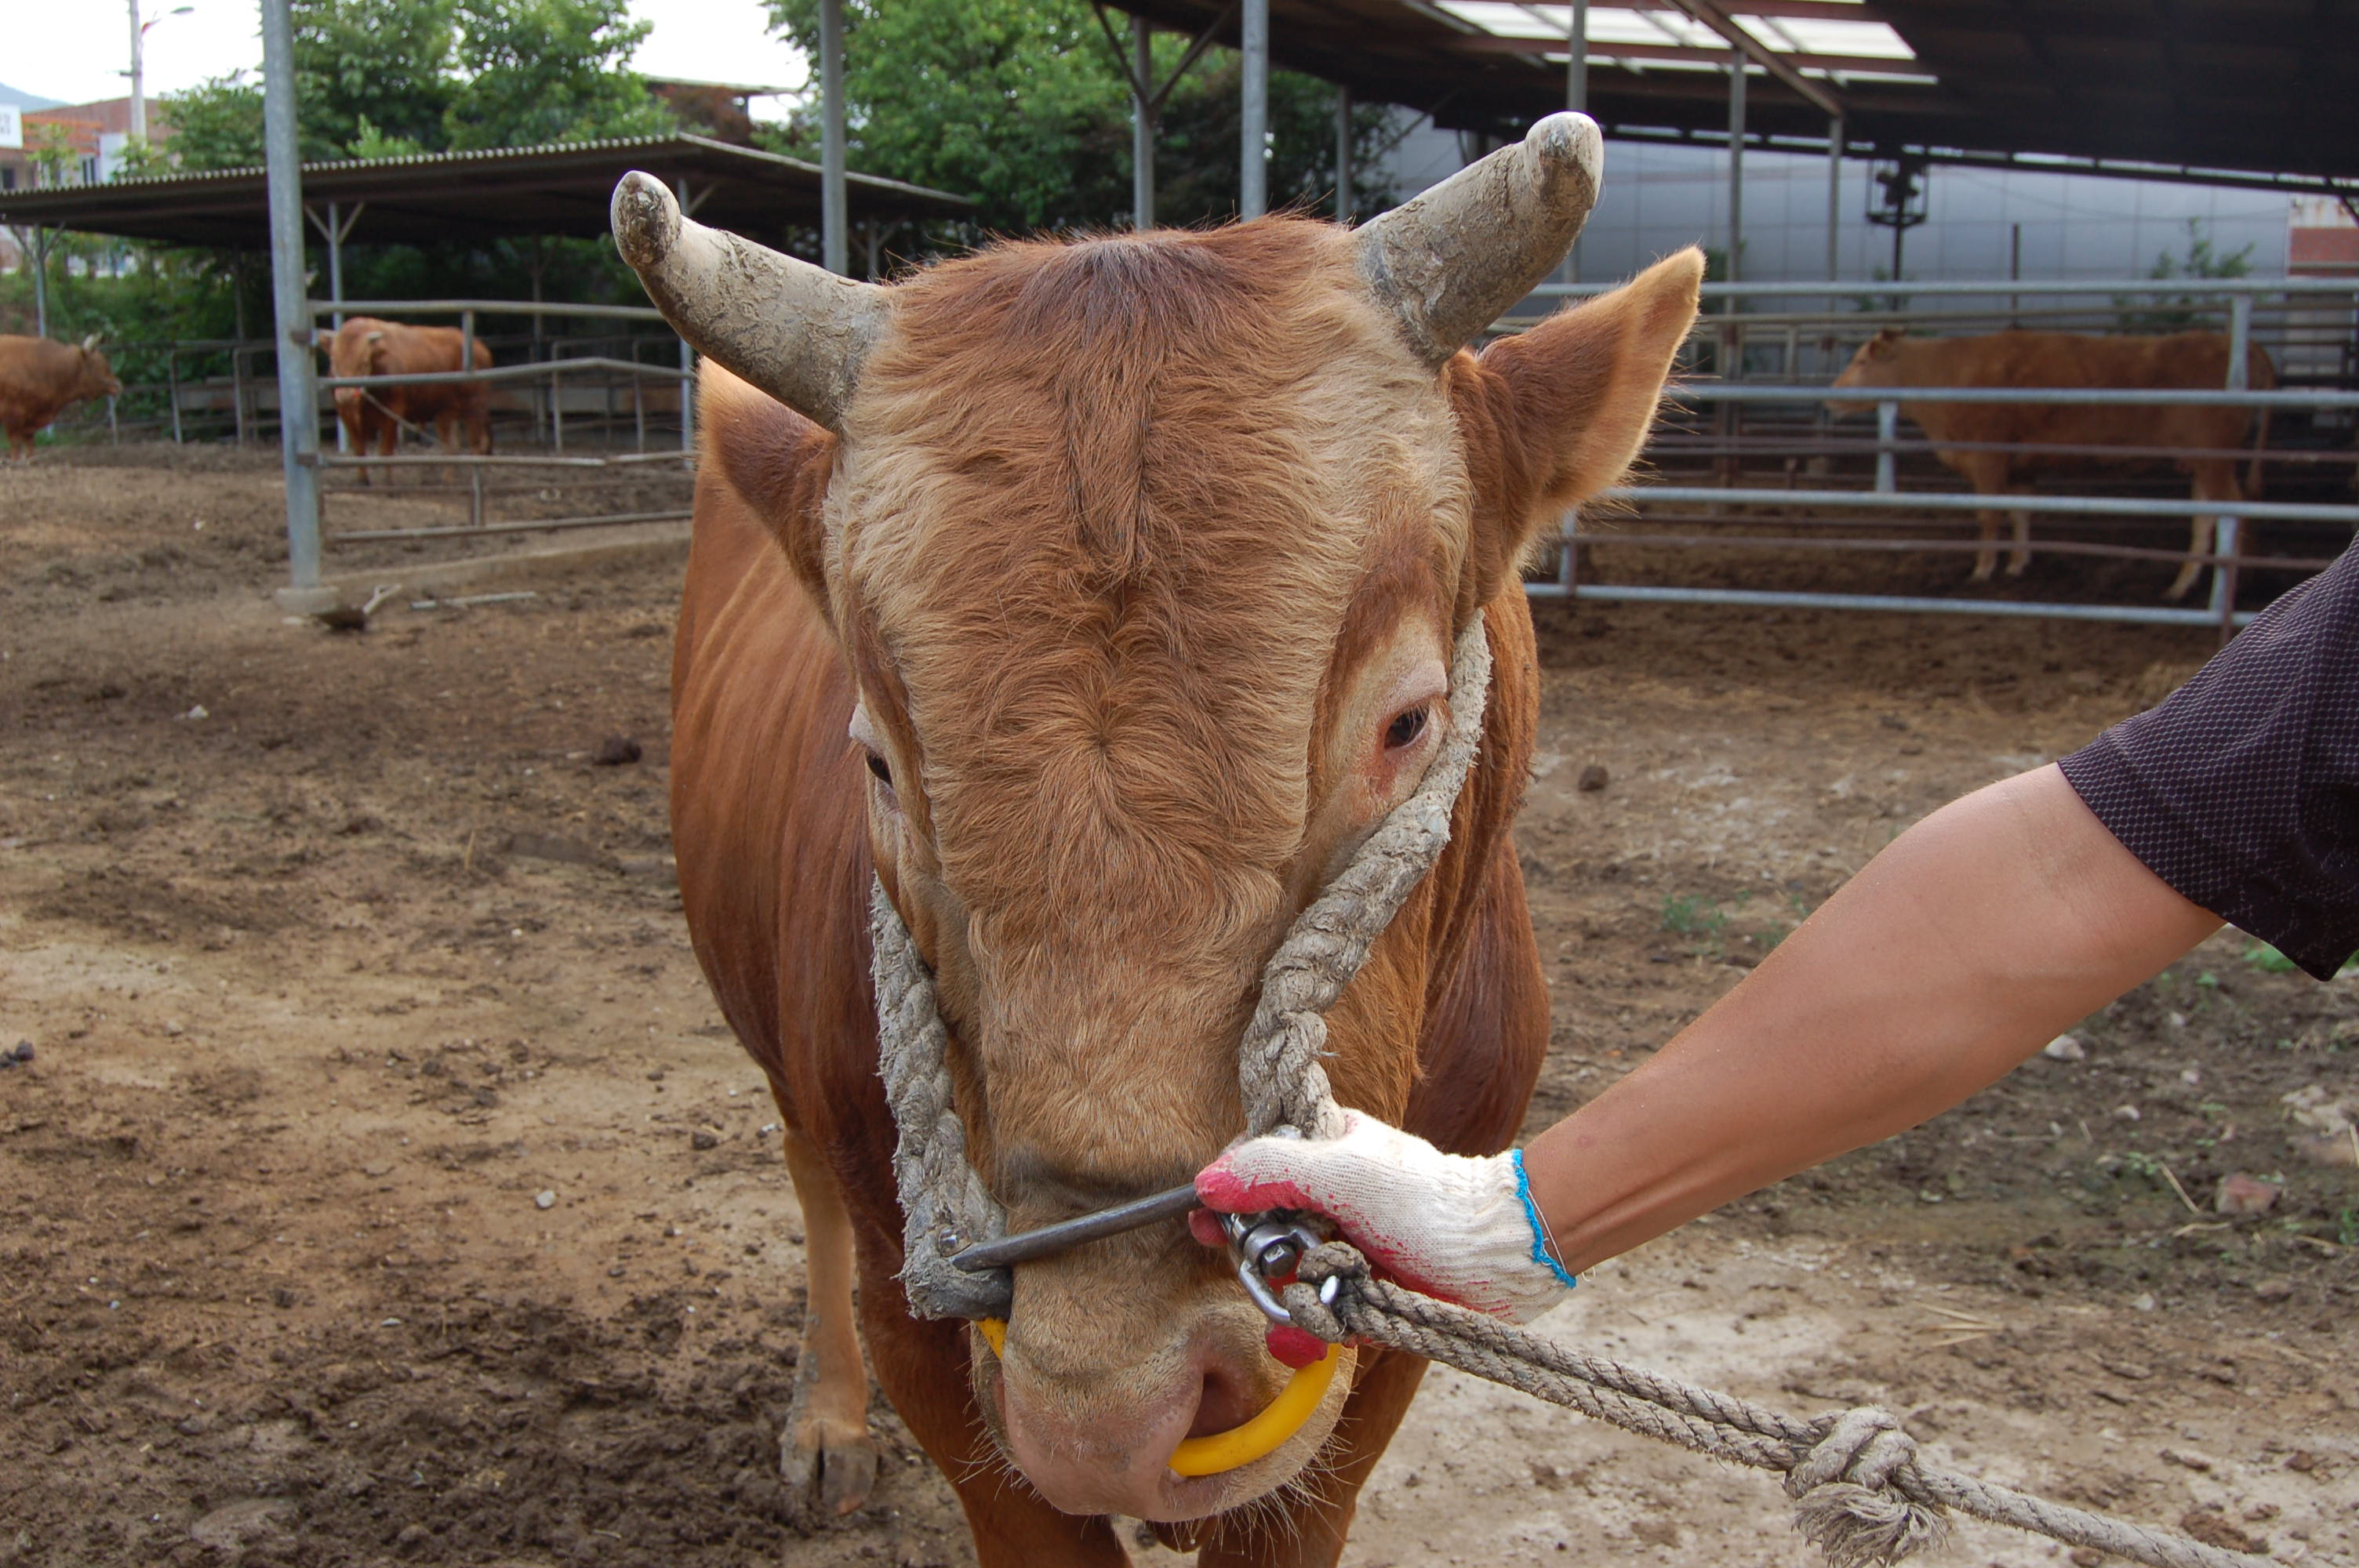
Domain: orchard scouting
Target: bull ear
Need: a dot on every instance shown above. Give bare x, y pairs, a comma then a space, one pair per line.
1555, 414
772, 463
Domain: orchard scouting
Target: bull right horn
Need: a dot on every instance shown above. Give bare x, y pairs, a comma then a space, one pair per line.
1447, 262
796, 331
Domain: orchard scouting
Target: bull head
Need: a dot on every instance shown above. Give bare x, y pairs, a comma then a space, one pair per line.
1445, 264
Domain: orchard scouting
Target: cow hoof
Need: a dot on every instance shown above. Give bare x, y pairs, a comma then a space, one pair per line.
826, 1478
2014, 569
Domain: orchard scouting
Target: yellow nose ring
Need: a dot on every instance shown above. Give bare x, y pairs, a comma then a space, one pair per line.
1240, 1445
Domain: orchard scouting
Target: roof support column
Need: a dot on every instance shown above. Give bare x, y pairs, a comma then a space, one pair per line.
298, 419
1735, 168
835, 238
1576, 99
1835, 133
1252, 117
1143, 113
1344, 173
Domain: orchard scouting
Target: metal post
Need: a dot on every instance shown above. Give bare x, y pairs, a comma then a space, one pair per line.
1576, 64
1569, 558
474, 496
1835, 140
2015, 274
2226, 531
638, 406
1142, 127
336, 298
41, 283
1887, 430
237, 392
1735, 169
834, 238
139, 80
1344, 171
1253, 116
299, 415
556, 408
173, 388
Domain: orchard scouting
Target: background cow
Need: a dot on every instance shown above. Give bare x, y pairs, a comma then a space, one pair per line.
365, 345
38, 380
2195, 359
1097, 598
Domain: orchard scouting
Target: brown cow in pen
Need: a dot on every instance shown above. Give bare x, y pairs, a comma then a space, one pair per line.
365, 345
2192, 360
39, 379
1097, 598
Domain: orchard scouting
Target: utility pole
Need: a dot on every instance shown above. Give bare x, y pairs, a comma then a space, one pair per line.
298, 407
139, 78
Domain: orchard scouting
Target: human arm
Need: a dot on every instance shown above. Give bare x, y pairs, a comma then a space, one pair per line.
1973, 940
1968, 944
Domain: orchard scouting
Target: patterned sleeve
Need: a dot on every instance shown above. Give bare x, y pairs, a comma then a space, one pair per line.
2241, 789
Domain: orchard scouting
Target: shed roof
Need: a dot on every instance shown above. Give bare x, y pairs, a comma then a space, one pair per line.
558, 189
2221, 92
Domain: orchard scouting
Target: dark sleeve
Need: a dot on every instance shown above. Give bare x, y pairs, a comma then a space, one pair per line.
2241, 790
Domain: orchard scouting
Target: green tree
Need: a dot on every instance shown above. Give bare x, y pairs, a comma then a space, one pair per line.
1024, 106
2179, 313
549, 71
386, 78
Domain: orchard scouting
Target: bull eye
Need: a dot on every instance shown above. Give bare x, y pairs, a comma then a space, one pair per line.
1405, 726
880, 770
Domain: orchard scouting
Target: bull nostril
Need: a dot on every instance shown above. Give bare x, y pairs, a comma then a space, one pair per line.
1224, 1402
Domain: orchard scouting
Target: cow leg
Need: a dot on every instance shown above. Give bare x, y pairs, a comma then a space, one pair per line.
2020, 557
1986, 472
1307, 1530
825, 1455
923, 1368
2214, 480
389, 438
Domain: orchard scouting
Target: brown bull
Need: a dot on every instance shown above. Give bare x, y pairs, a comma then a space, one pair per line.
365, 345
1097, 598
2190, 360
39, 379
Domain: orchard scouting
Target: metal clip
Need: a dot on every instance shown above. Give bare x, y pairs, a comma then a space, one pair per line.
1268, 1248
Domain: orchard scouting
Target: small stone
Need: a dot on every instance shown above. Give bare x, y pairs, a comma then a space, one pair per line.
2274, 1290
2177, 1020
2241, 1193
2186, 1461
615, 752
2086, 1557
701, 1138
174, 1029
2191, 1076
617, 1272
544, 1199
2126, 1113
2065, 1048
2142, 1301
24, 1051
1592, 778
197, 712
2301, 1462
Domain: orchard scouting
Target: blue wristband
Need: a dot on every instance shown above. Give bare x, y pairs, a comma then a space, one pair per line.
1540, 1253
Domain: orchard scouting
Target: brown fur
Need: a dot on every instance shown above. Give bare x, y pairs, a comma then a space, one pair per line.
2066, 359
1115, 534
39, 379
365, 345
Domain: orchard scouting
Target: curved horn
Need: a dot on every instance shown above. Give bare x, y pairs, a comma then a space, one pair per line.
1447, 262
89, 343
796, 331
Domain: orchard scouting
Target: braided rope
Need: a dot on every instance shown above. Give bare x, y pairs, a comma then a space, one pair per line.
944, 1206
1860, 1493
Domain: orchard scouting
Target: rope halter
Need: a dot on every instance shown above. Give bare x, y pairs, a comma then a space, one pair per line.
945, 1206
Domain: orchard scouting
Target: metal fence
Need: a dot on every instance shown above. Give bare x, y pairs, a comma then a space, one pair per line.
1762, 463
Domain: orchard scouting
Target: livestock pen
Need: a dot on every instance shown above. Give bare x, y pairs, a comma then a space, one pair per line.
1756, 467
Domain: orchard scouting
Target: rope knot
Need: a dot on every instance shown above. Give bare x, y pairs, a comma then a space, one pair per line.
1844, 1499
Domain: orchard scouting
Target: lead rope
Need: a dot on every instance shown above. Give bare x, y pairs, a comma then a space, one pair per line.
1860, 1493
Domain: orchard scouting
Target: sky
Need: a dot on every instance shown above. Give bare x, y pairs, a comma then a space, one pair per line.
80, 50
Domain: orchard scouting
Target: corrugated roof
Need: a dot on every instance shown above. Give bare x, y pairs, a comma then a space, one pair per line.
561, 188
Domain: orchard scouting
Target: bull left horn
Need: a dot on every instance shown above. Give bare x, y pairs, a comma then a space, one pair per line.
89, 343
1448, 261
795, 330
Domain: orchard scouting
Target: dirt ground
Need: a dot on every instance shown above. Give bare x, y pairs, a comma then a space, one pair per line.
384, 1188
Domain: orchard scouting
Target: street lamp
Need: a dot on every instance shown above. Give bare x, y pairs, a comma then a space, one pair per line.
138, 74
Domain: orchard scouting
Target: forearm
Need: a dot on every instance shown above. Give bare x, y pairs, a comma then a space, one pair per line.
1964, 947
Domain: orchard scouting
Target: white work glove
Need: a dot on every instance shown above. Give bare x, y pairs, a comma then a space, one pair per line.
1457, 1227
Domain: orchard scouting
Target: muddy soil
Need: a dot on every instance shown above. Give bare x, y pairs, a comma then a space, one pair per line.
384, 1188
